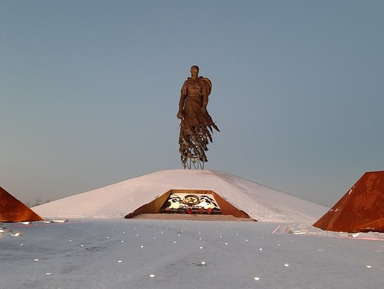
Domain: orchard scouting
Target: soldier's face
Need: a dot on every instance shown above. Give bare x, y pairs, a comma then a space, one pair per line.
194, 71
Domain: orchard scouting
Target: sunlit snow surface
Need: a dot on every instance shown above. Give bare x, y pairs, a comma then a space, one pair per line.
160, 254
118, 200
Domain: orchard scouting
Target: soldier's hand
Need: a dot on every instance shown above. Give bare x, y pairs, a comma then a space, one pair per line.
180, 115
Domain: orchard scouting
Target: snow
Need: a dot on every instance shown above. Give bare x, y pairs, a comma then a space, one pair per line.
102, 250
116, 201
138, 253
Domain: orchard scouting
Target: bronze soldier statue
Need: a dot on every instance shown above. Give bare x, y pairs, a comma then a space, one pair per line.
196, 123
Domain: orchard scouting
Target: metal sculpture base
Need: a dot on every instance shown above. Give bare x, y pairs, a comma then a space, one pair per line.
193, 163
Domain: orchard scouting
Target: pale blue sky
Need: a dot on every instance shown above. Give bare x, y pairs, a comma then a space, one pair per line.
89, 91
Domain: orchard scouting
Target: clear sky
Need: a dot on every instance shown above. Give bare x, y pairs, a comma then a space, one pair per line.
89, 91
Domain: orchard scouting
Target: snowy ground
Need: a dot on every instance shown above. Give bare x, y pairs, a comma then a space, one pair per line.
186, 254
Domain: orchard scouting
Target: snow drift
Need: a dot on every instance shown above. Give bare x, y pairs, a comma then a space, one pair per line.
115, 201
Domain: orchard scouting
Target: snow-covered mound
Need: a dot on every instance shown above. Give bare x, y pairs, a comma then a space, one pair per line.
116, 201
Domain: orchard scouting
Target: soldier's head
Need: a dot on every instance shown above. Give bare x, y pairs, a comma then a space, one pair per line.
194, 71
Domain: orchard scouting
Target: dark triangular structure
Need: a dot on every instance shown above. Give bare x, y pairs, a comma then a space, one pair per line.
12, 210
162, 204
361, 209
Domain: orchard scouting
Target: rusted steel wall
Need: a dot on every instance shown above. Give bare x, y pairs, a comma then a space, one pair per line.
361, 209
12, 210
